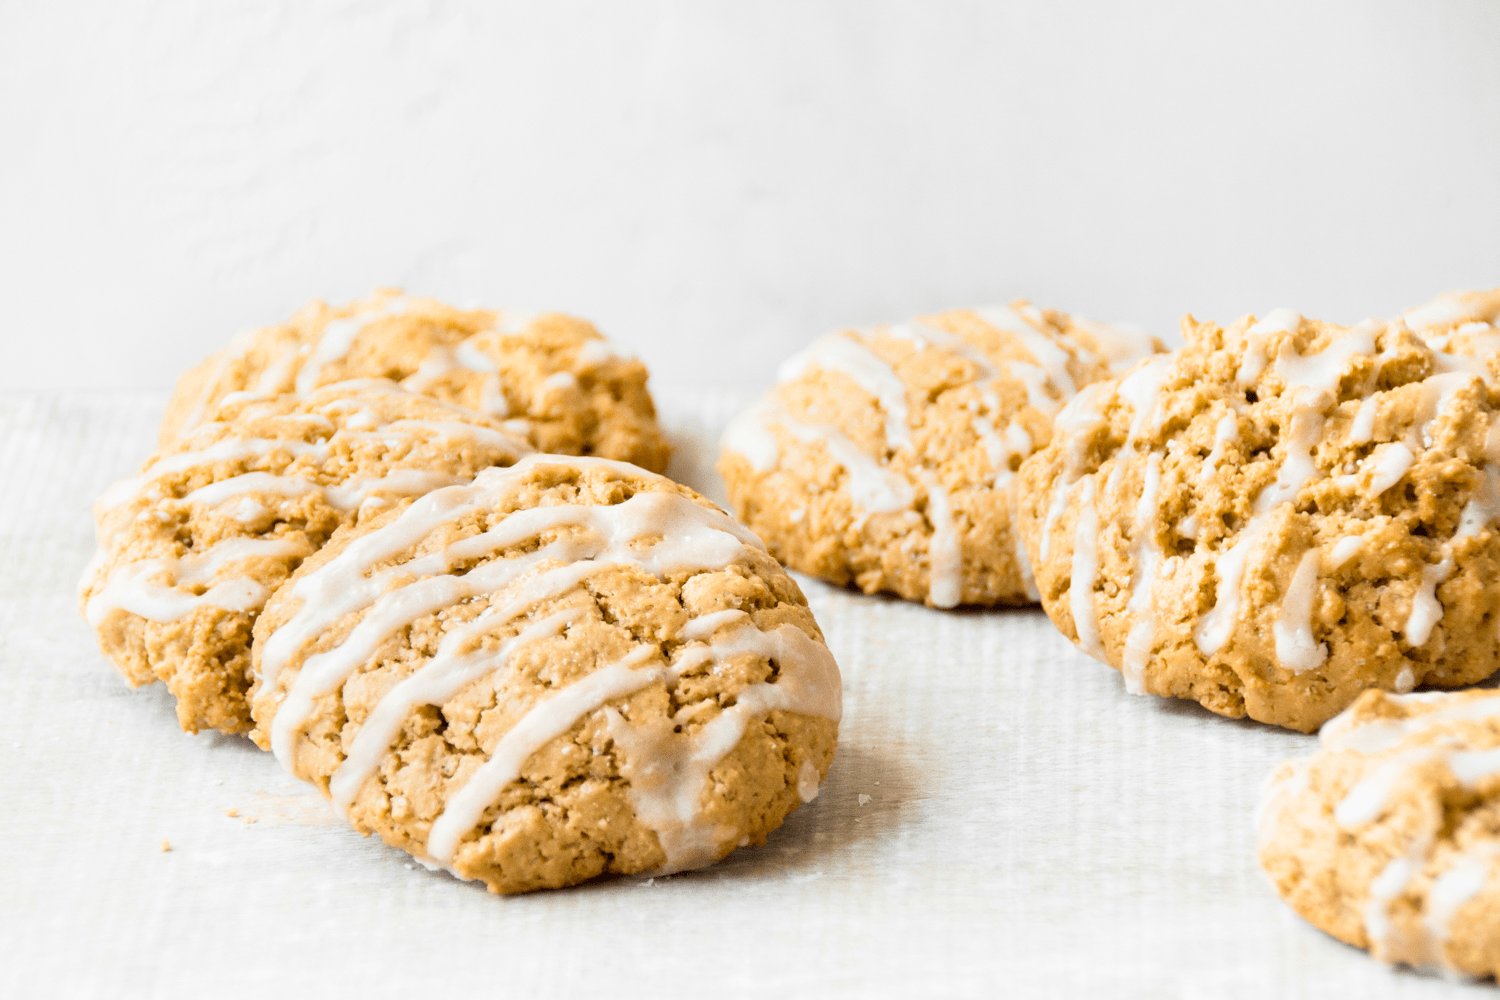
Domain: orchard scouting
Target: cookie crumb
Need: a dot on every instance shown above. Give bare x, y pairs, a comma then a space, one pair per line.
166, 845
231, 813
864, 799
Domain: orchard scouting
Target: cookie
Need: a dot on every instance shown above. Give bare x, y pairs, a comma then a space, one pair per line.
553, 378
1388, 837
1276, 517
569, 669
190, 549
884, 458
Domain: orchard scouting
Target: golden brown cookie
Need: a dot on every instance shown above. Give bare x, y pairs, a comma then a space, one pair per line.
1460, 323
553, 378
1388, 837
568, 669
884, 458
1276, 517
190, 549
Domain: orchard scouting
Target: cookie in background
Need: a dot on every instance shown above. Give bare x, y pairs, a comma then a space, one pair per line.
885, 458
1388, 837
1277, 517
552, 378
192, 547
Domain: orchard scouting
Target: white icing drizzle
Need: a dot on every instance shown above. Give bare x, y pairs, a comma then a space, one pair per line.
250, 482
840, 352
1121, 345
227, 450
337, 338
749, 435
1226, 432
1387, 465
277, 376
1254, 361
1362, 429
1085, 574
1367, 800
1451, 309
944, 551
158, 589
1296, 649
1052, 358
1074, 424
873, 487
1323, 371
1344, 550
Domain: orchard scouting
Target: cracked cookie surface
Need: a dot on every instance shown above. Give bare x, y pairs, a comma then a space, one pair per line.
191, 548
1276, 517
552, 378
884, 458
1388, 837
569, 669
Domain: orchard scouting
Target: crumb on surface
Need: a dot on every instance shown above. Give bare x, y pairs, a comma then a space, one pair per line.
166, 845
864, 799
231, 813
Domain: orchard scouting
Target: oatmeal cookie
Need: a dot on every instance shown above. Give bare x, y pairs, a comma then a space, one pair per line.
552, 378
190, 549
570, 668
884, 458
1276, 517
1388, 837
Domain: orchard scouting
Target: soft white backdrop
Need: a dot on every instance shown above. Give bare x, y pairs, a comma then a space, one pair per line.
714, 183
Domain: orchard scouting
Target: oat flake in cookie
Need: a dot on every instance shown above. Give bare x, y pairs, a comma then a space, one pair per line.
884, 457
1388, 837
190, 549
1276, 517
552, 378
570, 668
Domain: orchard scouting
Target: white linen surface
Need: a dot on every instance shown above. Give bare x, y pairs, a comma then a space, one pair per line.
1030, 829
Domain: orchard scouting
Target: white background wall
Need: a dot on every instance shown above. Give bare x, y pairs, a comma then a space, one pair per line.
714, 183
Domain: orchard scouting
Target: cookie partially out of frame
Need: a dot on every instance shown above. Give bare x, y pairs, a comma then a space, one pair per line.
1277, 517
191, 548
1388, 837
570, 668
884, 458
552, 377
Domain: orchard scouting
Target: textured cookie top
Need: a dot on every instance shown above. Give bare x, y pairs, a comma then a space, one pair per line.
552, 377
1389, 836
418, 666
1275, 517
219, 517
886, 443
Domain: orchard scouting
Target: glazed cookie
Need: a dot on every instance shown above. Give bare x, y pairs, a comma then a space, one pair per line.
553, 378
570, 668
190, 549
884, 457
1276, 517
1388, 837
